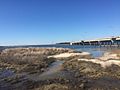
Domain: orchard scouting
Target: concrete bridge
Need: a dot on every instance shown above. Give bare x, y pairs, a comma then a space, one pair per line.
112, 41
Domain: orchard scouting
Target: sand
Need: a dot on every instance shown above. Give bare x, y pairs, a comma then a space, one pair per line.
66, 55
103, 63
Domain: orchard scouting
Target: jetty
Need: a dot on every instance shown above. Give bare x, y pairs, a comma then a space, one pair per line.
111, 41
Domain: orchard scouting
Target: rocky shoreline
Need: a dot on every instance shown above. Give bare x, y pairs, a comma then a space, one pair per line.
58, 69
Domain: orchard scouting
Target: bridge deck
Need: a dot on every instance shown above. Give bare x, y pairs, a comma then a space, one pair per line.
114, 41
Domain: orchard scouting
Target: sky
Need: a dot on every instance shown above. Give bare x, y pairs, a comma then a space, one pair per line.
28, 22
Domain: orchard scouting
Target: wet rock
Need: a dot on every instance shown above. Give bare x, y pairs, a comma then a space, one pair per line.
76, 74
55, 87
25, 62
82, 86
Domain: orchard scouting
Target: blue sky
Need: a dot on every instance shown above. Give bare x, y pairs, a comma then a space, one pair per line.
25, 22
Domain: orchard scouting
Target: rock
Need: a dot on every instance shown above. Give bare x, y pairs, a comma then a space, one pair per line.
55, 87
82, 86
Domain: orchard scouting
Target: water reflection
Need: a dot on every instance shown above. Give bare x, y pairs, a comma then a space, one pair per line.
6, 73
